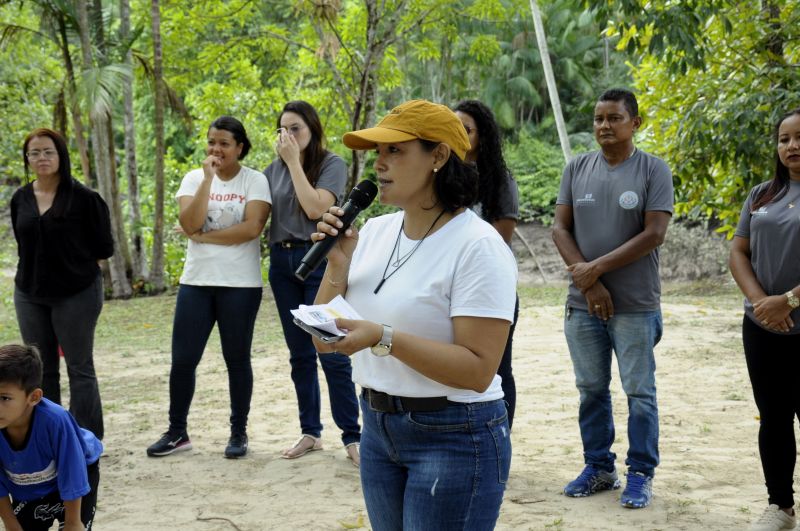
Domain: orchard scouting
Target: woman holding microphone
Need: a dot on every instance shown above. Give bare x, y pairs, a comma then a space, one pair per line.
436, 287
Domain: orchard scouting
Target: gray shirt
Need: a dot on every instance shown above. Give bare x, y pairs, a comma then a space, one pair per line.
289, 221
774, 234
508, 202
608, 209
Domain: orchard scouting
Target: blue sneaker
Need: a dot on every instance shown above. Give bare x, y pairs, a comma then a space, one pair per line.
638, 492
592, 480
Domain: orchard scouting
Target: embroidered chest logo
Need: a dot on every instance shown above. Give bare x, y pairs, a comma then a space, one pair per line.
760, 212
586, 200
628, 200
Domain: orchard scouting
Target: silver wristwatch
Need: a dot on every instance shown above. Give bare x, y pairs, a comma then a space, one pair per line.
792, 300
384, 346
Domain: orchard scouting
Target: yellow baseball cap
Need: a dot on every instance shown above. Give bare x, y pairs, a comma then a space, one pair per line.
412, 120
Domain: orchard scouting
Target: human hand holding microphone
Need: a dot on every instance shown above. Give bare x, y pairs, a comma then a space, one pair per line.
331, 229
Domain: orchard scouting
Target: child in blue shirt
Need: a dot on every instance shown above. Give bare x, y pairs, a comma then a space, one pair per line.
50, 465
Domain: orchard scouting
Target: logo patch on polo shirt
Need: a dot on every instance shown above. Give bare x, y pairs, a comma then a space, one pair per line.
628, 200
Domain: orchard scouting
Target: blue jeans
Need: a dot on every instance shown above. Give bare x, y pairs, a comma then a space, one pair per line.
443, 470
196, 310
48, 322
632, 336
289, 293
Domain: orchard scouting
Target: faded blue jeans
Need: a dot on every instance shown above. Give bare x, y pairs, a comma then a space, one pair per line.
442, 470
289, 293
632, 337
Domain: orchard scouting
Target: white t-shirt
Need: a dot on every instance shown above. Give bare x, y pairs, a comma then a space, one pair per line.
209, 264
463, 269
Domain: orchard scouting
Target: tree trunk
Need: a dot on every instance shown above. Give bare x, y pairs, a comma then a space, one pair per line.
101, 143
138, 254
157, 271
552, 90
72, 98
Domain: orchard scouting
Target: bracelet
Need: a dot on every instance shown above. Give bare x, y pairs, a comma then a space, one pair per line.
336, 284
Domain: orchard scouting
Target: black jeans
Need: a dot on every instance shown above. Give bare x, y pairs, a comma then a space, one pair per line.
196, 310
38, 515
504, 370
773, 362
48, 322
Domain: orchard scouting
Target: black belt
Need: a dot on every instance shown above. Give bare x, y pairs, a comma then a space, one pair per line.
395, 404
294, 244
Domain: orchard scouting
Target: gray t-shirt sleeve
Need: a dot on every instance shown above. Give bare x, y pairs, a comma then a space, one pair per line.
509, 199
660, 192
333, 176
743, 227
565, 190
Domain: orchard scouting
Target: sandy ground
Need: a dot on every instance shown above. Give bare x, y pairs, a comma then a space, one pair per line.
710, 477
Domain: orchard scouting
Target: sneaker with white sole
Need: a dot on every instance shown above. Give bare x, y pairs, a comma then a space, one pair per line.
592, 480
170, 442
773, 519
638, 491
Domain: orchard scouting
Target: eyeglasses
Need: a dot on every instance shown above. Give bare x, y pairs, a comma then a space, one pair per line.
35, 154
293, 130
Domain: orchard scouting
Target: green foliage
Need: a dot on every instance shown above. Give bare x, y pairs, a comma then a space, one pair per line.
712, 91
247, 59
30, 82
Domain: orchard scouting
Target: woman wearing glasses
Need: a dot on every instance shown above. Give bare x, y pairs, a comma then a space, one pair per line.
306, 180
62, 229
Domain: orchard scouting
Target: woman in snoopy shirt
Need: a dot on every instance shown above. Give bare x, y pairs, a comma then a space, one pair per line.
223, 209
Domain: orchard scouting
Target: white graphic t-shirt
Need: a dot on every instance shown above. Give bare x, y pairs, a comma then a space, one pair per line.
209, 264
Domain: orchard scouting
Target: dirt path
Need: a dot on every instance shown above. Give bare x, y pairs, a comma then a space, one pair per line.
710, 477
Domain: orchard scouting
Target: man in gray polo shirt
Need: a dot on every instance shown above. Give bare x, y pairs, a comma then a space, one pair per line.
612, 213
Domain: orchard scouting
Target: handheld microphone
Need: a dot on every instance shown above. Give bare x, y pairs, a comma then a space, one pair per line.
360, 198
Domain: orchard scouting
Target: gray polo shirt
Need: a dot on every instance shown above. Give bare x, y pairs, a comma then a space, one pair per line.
289, 221
774, 234
608, 209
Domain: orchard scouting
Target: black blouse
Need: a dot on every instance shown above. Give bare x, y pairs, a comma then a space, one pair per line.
58, 250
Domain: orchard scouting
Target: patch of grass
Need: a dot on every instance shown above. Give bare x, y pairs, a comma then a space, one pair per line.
542, 295
558, 524
707, 292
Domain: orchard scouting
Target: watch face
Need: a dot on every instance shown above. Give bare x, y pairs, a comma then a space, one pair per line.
380, 350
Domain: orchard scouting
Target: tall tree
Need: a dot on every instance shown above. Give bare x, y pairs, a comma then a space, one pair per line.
102, 143
555, 101
157, 271
138, 252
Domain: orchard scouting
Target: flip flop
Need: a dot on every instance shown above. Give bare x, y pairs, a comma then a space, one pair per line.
317, 446
357, 448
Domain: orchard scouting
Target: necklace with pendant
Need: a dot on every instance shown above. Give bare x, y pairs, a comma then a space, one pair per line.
401, 260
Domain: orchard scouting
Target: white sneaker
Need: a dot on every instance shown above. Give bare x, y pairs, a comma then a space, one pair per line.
773, 519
